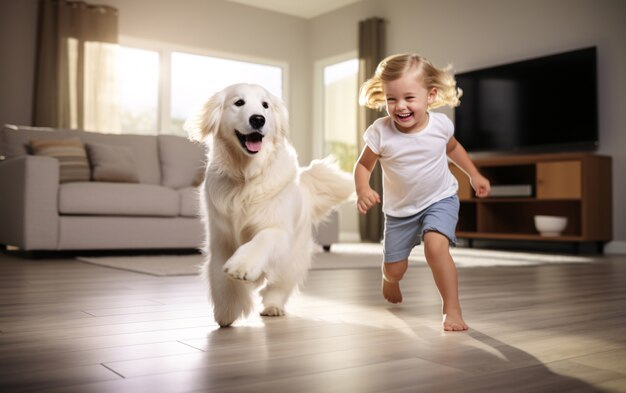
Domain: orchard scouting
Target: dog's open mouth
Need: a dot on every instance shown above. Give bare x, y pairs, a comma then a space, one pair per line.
250, 142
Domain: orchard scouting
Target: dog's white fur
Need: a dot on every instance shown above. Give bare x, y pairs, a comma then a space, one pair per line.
259, 207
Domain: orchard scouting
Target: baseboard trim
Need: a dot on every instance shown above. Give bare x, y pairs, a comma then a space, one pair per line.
349, 237
616, 247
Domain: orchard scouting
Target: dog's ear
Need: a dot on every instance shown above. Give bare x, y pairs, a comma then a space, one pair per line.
207, 120
281, 115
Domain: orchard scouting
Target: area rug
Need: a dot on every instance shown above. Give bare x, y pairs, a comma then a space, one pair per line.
341, 256
154, 265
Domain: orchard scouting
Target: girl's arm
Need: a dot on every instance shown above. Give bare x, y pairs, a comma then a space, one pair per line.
366, 197
456, 152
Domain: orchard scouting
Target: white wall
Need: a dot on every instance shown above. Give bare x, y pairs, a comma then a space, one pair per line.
479, 33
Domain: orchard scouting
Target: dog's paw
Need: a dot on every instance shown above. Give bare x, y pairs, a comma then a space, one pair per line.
273, 311
224, 324
241, 268
224, 318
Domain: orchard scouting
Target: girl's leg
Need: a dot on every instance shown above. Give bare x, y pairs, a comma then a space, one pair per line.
437, 253
392, 274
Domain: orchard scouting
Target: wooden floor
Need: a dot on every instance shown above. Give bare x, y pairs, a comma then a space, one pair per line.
67, 326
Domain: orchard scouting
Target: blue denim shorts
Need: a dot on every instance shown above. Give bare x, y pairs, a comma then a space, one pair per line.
404, 233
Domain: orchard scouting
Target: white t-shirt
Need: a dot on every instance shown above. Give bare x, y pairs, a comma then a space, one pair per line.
415, 166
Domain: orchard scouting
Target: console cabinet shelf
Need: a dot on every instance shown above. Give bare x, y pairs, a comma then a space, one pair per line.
573, 185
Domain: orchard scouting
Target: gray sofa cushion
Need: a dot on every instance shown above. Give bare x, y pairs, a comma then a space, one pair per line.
181, 161
118, 199
145, 152
14, 142
112, 163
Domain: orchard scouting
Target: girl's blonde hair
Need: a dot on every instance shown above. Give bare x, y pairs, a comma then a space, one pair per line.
394, 67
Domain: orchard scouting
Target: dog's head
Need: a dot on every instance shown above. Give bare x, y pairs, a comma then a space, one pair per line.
243, 116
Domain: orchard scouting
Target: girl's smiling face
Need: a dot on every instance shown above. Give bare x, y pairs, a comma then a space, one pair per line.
407, 102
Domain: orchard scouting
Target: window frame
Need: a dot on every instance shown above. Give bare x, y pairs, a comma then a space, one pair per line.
165, 51
318, 100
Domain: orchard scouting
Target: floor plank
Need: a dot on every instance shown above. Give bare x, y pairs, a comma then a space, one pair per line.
67, 326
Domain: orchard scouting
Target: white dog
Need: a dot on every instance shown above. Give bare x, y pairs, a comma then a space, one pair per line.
259, 207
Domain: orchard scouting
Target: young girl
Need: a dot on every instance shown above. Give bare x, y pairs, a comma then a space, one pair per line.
420, 193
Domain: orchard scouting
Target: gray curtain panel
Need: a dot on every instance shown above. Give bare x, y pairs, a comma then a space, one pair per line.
65, 30
371, 52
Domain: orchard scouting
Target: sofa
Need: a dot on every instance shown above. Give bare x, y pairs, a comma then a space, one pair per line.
64, 189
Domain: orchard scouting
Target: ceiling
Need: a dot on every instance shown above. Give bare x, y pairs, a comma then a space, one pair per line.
306, 9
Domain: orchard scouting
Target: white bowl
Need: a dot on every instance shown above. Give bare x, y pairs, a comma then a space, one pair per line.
550, 225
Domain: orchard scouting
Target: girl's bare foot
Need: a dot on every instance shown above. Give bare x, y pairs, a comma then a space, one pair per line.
453, 321
391, 289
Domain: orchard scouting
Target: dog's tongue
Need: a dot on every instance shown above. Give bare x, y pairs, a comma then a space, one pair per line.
254, 146
254, 142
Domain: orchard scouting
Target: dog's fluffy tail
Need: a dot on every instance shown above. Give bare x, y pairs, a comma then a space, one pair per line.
327, 186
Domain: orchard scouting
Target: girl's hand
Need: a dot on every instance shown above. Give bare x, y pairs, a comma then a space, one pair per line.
366, 199
481, 185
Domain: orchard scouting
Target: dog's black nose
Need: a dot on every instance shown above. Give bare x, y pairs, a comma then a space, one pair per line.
257, 121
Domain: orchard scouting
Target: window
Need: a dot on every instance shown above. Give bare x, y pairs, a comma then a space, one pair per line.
138, 72
195, 78
160, 88
340, 100
335, 123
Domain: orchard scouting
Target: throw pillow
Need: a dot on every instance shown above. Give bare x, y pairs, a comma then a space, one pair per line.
112, 163
73, 164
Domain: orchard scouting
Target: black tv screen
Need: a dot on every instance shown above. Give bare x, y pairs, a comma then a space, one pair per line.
538, 105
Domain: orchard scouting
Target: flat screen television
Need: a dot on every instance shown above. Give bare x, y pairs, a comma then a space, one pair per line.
546, 104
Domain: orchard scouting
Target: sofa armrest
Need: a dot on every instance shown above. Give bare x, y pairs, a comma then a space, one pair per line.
29, 189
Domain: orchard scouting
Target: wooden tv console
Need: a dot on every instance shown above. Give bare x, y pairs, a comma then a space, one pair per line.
574, 185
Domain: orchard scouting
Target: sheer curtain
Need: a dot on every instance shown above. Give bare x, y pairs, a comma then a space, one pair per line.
371, 52
75, 79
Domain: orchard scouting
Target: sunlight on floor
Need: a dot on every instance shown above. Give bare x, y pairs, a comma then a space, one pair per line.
330, 311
